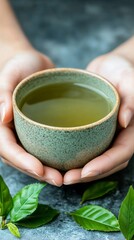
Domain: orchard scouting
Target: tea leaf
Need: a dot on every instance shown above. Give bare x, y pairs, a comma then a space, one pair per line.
43, 215
93, 217
25, 201
6, 201
126, 215
98, 189
13, 229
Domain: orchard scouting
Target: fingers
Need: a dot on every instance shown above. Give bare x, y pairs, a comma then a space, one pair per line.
114, 170
32, 174
56, 180
119, 153
16, 156
17, 68
74, 176
47, 63
114, 159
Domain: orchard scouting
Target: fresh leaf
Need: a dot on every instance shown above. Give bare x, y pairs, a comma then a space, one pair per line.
25, 201
13, 229
93, 217
126, 215
43, 215
98, 189
6, 201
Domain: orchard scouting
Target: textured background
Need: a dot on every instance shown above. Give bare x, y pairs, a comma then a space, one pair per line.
72, 33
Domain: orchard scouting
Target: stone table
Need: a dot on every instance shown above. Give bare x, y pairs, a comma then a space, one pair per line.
72, 33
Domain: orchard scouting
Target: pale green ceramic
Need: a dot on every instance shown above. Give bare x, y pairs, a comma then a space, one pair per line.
65, 148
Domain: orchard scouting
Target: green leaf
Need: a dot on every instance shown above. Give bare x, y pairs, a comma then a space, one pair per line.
6, 201
43, 215
25, 201
13, 229
98, 189
93, 217
126, 215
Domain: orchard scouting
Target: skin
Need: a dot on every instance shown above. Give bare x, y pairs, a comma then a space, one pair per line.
120, 72
19, 60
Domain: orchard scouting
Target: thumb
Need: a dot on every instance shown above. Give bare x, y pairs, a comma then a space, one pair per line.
126, 114
6, 113
14, 71
47, 63
2, 112
125, 88
8, 81
9, 78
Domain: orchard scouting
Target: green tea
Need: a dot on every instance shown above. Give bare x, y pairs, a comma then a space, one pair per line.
65, 105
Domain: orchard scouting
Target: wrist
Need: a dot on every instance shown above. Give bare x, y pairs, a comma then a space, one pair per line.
12, 37
125, 50
9, 48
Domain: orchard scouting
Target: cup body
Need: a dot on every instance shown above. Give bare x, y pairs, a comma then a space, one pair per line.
59, 147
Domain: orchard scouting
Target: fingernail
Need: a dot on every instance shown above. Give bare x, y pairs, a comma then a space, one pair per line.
127, 117
53, 182
72, 182
2, 112
33, 173
89, 174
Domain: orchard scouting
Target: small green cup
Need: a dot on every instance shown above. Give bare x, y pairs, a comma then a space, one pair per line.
65, 148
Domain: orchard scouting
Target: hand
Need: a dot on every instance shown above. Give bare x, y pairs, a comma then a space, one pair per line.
120, 72
13, 69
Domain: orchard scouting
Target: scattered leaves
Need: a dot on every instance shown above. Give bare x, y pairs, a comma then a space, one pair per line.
6, 201
43, 215
24, 208
126, 215
93, 217
25, 201
98, 189
13, 229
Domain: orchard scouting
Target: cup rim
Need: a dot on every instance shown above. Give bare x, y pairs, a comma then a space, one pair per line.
86, 126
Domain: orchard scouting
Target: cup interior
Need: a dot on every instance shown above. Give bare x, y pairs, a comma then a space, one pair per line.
53, 76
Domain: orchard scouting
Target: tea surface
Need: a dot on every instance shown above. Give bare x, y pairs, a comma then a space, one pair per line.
65, 105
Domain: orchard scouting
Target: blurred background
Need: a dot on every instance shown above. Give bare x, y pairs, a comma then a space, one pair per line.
72, 33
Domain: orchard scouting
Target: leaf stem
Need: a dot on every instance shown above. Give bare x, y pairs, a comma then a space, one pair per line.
2, 223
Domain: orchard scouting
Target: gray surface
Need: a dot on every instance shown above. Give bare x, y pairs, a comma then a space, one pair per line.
72, 33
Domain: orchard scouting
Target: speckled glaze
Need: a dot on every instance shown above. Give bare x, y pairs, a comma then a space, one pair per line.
65, 148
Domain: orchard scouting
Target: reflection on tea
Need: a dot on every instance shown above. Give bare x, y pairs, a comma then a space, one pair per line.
65, 105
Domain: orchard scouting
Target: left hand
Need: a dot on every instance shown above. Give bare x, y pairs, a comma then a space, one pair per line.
13, 68
120, 72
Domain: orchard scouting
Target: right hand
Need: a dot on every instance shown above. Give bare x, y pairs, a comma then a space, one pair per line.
120, 72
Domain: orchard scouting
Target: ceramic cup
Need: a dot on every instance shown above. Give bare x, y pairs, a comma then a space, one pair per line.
70, 147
